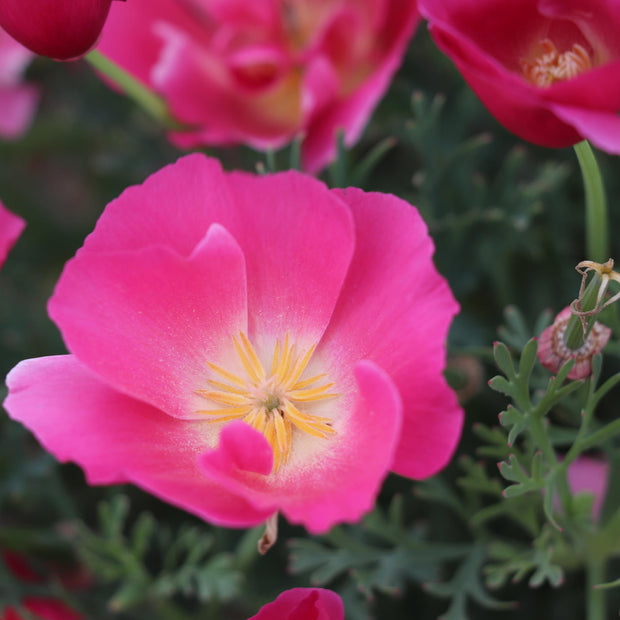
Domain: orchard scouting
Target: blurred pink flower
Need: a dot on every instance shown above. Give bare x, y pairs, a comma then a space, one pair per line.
262, 73
242, 345
11, 227
548, 70
60, 29
42, 607
589, 475
303, 604
18, 101
553, 351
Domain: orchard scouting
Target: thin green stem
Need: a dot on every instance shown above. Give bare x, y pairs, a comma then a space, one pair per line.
595, 597
597, 225
145, 98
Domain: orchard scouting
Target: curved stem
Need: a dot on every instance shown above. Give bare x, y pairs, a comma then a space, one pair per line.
145, 98
597, 228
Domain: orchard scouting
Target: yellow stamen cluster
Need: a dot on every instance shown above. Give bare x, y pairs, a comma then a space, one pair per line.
551, 66
271, 402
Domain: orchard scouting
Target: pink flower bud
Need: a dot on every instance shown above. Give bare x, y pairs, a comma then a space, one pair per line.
60, 29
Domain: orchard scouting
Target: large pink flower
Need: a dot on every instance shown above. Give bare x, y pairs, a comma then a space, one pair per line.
11, 227
60, 29
18, 101
242, 345
262, 73
548, 70
303, 604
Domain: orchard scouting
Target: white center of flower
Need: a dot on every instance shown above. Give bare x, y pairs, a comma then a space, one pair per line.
552, 66
273, 403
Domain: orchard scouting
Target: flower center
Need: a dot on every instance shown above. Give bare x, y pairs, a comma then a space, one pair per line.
551, 66
274, 402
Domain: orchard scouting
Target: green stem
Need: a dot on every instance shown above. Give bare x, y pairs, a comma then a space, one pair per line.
145, 98
595, 573
597, 228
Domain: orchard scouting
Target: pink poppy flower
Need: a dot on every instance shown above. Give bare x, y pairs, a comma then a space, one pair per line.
554, 353
42, 607
589, 475
548, 70
242, 345
263, 73
18, 101
11, 227
303, 604
60, 29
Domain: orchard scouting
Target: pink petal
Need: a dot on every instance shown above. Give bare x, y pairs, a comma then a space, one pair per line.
116, 439
351, 113
303, 604
600, 128
296, 258
17, 108
148, 320
11, 227
401, 325
327, 481
590, 475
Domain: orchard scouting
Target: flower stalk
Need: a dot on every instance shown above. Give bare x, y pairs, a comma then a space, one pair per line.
597, 229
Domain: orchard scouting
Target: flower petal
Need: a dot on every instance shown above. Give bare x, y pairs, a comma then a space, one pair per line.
11, 227
148, 321
401, 326
334, 480
303, 604
118, 439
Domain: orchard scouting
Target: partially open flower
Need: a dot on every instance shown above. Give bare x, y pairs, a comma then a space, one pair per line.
264, 73
303, 604
553, 351
60, 29
243, 344
548, 70
18, 100
11, 227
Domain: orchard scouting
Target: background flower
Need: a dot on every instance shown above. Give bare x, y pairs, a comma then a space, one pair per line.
18, 101
61, 29
42, 607
303, 604
11, 227
548, 70
242, 345
589, 475
263, 73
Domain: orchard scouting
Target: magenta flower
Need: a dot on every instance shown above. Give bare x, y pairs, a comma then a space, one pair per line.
262, 73
553, 352
303, 604
548, 70
589, 475
11, 227
60, 29
18, 101
242, 345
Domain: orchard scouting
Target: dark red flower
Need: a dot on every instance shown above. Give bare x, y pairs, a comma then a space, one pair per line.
548, 70
60, 29
42, 607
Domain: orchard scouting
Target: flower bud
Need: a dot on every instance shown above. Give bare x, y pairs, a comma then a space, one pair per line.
60, 29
